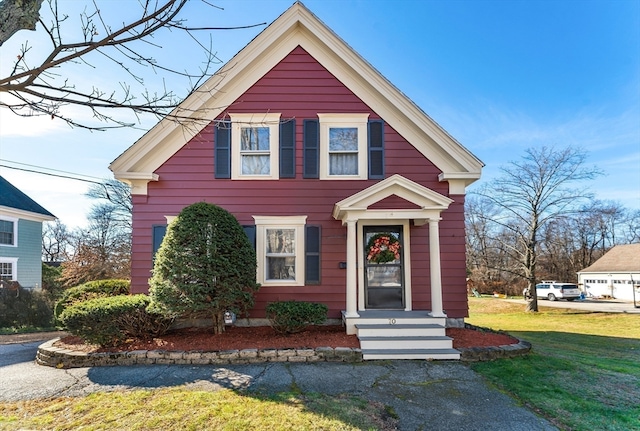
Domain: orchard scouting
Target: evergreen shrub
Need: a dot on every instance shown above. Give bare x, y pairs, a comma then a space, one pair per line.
204, 267
288, 317
91, 290
25, 308
108, 321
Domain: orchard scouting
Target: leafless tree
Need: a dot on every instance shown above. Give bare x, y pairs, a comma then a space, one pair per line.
631, 229
545, 185
44, 82
116, 196
103, 249
56, 242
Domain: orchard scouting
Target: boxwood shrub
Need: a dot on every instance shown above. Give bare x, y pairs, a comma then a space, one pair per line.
109, 321
288, 317
91, 290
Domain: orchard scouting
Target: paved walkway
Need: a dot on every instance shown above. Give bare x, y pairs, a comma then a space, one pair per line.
425, 395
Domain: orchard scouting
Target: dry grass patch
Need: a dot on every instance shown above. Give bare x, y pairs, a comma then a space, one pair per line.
184, 409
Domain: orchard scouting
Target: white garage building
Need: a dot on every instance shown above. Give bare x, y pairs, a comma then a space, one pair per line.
615, 275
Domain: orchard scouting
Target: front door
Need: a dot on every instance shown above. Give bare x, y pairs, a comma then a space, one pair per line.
383, 266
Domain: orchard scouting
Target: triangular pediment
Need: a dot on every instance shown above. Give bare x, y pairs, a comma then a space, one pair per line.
427, 204
297, 27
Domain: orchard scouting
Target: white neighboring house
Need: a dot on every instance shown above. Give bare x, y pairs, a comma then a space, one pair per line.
616, 274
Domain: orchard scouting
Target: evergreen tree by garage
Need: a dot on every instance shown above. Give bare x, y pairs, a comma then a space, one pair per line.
204, 267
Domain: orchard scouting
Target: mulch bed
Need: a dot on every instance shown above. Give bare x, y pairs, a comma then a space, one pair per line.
264, 337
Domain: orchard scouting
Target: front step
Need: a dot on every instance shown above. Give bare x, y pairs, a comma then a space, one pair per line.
403, 335
399, 330
402, 343
425, 354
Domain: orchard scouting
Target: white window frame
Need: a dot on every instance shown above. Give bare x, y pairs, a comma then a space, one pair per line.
280, 222
358, 121
270, 120
14, 266
15, 230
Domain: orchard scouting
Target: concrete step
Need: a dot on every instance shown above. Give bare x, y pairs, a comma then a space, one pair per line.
423, 354
406, 342
394, 318
399, 330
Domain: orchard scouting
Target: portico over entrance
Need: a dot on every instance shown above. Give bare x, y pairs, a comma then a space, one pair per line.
378, 273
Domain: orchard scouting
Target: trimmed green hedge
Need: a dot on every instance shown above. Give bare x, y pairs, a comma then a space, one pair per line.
288, 317
110, 321
91, 290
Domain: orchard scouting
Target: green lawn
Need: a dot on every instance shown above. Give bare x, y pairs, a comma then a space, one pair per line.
584, 369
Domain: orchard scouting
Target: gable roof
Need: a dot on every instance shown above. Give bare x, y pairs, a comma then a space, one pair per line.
19, 204
428, 203
297, 26
621, 258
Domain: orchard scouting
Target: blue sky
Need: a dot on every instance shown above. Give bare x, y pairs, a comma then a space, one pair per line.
499, 76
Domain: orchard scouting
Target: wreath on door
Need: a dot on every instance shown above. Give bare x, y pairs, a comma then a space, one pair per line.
383, 248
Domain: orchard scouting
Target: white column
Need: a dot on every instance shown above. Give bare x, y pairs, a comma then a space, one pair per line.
352, 273
436, 276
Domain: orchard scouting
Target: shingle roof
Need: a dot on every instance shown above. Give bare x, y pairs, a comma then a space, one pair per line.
11, 197
621, 258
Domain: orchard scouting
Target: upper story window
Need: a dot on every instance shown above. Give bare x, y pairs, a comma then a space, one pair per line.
254, 146
8, 234
343, 146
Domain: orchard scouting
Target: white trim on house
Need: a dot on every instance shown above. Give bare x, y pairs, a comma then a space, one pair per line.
270, 120
15, 230
14, 266
354, 213
296, 27
9, 213
263, 223
329, 121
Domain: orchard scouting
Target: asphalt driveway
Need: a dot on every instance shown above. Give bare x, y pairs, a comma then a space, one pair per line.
429, 395
593, 305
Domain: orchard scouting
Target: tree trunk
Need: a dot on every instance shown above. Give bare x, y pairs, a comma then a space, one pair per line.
218, 322
532, 303
18, 15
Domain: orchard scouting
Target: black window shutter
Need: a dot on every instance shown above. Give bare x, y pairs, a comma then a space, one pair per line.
312, 255
288, 149
222, 150
250, 231
311, 149
157, 235
376, 149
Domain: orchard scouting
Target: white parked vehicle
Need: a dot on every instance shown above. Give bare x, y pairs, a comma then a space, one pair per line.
553, 290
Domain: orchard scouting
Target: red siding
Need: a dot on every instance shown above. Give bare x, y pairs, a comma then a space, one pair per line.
300, 88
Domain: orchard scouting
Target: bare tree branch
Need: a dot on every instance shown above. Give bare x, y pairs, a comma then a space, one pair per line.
47, 87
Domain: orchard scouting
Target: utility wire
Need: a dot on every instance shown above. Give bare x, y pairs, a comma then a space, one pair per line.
49, 169
49, 174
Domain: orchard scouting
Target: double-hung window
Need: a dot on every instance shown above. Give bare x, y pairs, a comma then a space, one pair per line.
8, 232
8, 269
280, 250
254, 144
343, 146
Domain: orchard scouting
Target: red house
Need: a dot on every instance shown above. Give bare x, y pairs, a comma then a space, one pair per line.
353, 196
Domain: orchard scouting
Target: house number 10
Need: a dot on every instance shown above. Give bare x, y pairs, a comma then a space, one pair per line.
392, 321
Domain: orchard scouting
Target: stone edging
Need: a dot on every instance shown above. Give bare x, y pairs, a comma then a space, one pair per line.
57, 357
476, 354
